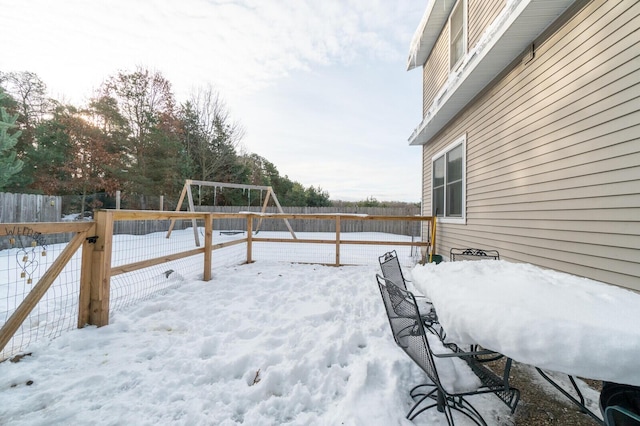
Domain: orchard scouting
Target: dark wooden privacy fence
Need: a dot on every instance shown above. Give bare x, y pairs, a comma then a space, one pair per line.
29, 208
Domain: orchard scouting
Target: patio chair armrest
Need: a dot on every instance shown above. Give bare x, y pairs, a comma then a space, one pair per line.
462, 354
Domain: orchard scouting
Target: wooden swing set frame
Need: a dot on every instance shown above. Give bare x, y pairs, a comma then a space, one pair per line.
186, 190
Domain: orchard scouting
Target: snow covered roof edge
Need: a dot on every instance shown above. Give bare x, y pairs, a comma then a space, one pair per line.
519, 23
428, 31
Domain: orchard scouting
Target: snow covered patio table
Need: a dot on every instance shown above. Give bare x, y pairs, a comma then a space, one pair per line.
544, 318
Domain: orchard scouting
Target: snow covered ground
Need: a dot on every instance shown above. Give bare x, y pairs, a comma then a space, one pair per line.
262, 344
268, 343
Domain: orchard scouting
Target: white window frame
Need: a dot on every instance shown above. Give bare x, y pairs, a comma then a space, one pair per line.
461, 141
463, 4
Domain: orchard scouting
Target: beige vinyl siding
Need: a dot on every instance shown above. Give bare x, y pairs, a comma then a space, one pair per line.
481, 14
436, 70
553, 152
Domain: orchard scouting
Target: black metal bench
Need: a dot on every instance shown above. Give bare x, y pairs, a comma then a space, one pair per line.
418, 343
456, 254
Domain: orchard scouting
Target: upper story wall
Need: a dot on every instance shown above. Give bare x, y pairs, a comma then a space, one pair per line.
480, 15
553, 151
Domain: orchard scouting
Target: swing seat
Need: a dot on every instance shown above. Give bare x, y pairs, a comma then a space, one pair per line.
231, 232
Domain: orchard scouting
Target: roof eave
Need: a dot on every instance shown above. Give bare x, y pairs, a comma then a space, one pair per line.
526, 22
428, 31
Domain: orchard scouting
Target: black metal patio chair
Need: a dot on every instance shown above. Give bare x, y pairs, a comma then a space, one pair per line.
456, 254
459, 254
418, 343
391, 270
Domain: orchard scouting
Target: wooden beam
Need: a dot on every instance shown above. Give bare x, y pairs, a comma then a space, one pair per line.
286, 222
337, 240
178, 207
130, 267
27, 228
264, 209
84, 298
345, 216
351, 242
227, 185
194, 223
249, 238
208, 239
432, 239
125, 215
101, 270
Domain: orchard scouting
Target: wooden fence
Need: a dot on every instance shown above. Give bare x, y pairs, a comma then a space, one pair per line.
31, 208
96, 240
16, 208
238, 222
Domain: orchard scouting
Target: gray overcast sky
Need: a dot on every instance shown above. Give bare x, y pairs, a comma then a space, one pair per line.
320, 86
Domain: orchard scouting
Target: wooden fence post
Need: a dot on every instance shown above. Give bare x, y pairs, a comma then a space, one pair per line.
433, 236
84, 301
249, 237
337, 240
208, 239
101, 270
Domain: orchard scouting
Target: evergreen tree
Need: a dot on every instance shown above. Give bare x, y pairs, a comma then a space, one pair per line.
10, 165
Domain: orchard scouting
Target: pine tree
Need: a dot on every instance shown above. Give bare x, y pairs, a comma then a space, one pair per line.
9, 164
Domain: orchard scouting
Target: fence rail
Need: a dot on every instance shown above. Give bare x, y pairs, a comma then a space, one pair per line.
118, 270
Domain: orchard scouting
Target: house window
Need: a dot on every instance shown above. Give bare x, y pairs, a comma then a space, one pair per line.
457, 34
448, 182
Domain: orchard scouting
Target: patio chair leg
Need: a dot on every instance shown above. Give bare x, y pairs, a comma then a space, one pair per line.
580, 403
444, 405
441, 401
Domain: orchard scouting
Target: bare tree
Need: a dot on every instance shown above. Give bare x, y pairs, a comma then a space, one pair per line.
30, 94
211, 137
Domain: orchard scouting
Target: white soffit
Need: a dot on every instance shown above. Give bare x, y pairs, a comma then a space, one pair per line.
528, 19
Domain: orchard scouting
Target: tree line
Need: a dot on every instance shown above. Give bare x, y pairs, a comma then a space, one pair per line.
131, 136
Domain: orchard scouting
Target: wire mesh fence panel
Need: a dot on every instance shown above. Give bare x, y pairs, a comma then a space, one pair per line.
129, 288
295, 252
21, 267
365, 253
128, 248
322, 248
232, 255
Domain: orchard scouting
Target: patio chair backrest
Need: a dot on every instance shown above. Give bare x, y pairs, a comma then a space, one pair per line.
456, 254
406, 325
391, 269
